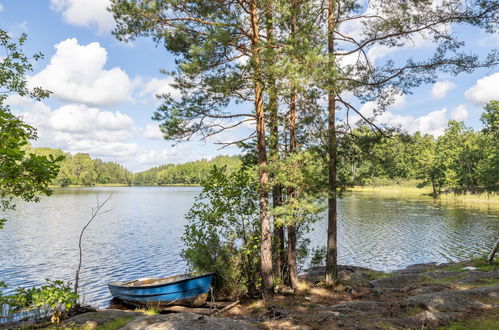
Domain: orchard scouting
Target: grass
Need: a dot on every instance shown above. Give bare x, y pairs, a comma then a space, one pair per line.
410, 311
116, 324
410, 191
479, 263
485, 323
374, 275
149, 311
446, 280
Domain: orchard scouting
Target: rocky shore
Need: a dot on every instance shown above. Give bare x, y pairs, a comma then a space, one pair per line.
461, 295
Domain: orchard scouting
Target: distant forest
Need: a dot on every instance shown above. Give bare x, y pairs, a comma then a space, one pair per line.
461, 159
81, 169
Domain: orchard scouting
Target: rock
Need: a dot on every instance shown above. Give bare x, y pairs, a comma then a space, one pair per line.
353, 279
424, 288
440, 275
417, 268
442, 302
187, 321
397, 281
316, 274
478, 277
359, 307
94, 320
488, 294
422, 268
434, 319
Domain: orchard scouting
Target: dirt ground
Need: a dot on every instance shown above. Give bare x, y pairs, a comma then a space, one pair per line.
425, 296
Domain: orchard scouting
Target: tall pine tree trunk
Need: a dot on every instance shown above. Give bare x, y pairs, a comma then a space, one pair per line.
292, 267
273, 108
331, 252
266, 239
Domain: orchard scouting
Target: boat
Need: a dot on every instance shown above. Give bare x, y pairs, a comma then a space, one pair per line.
185, 289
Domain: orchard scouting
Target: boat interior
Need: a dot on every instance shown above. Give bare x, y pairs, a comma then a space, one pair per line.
154, 281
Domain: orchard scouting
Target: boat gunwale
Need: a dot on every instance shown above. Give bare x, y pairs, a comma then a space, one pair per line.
152, 286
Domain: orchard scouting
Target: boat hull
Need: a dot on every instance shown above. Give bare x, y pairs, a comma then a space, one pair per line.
192, 290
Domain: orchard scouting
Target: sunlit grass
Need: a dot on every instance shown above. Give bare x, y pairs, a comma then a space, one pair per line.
410, 191
486, 323
149, 311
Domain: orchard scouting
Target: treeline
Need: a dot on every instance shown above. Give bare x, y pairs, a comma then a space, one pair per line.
81, 169
188, 173
460, 160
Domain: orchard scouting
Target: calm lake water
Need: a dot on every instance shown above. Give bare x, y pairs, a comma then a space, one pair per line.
140, 236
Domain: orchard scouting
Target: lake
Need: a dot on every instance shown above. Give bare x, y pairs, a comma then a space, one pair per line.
140, 236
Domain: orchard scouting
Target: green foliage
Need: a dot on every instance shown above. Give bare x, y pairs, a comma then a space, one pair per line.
14, 65
55, 295
301, 175
318, 256
222, 234
187, 173
488, 166
22, 174
461, 160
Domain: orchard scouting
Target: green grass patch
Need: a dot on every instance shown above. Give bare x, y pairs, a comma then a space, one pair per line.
373, 275
480, 264
485, 323
410, 311
446, 280
408, 190
116, 324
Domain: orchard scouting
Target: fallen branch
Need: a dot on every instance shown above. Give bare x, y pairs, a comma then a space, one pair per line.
184, 309
493, 252
226, 308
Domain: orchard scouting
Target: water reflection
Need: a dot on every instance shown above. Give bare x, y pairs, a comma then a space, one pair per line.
140, 237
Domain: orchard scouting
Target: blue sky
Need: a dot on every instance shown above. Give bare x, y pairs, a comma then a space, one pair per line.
104, 90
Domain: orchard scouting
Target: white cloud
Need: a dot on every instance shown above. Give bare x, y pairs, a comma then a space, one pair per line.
153, 132
485, 90
440, 88
460, 113
108, 135
432, 123
80, 119
78, 128
76, 74
86, 13
157, 86
1, 7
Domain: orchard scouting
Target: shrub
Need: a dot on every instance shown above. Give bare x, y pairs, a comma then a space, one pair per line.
222, 234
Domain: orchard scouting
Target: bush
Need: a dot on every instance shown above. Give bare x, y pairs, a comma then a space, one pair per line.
222, 234
318, 257
56, 295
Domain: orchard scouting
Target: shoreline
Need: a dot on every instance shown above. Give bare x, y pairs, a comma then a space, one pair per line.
481, 200
456, 295
124, 185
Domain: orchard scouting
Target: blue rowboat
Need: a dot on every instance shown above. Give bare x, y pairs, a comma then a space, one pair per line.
172, 290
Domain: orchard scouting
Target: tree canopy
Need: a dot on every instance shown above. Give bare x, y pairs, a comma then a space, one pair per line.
22, 174
296, 62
